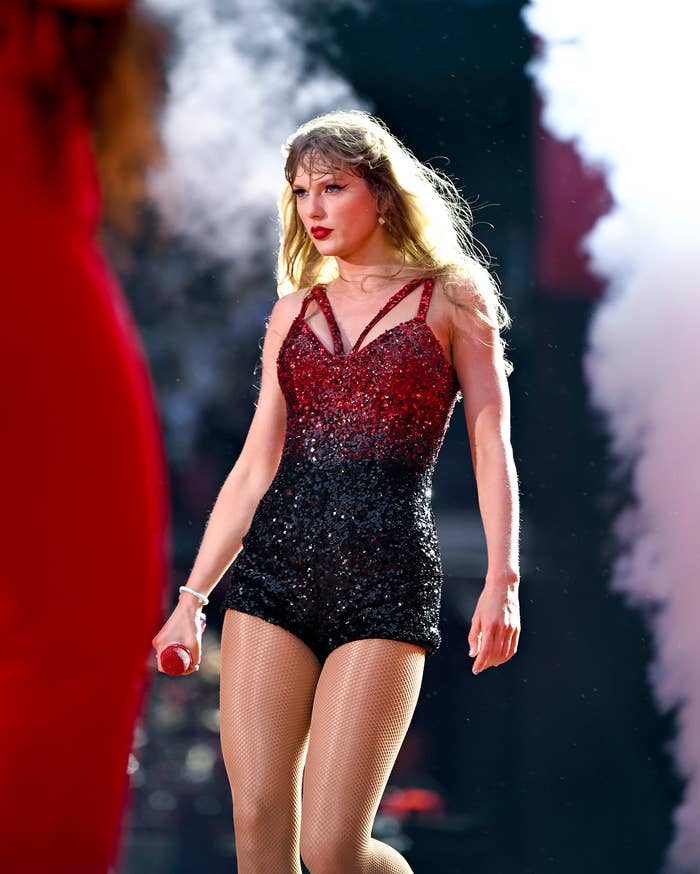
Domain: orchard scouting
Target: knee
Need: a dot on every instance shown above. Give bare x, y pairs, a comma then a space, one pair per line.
254, 821
327, 848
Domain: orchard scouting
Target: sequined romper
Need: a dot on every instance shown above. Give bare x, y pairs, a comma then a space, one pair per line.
343, 544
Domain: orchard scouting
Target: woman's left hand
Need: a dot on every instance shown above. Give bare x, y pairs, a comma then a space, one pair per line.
495, 629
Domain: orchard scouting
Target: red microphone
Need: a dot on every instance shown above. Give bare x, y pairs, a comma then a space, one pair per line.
176, 658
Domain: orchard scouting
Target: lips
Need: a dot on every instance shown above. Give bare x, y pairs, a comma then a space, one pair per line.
319, 232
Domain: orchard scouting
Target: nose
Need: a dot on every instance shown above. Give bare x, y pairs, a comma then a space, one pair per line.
314, 207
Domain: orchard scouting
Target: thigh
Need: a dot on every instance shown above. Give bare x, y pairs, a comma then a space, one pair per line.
267, 684
365, 699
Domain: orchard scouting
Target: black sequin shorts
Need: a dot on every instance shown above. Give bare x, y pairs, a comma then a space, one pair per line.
342, 551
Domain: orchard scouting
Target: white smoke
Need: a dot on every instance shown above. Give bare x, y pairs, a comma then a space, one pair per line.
619, 80
240, 79
240, 83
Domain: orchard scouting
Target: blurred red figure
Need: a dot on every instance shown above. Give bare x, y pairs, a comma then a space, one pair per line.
85, 518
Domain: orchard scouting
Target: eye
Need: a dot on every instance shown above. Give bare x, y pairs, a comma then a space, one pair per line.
299, 191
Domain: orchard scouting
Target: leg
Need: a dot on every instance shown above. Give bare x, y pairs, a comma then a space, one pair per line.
365, 699
268, 678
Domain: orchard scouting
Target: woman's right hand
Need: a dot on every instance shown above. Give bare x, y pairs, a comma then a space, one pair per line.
184, 627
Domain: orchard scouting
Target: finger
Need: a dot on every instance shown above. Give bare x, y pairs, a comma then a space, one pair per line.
505, 646
493, 649
196, 659
482, 660
496, 649
513, 643
516, 639
474, 639
506, 638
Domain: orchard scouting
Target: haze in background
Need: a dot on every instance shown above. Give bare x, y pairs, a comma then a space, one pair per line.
240, 80
240, 83
619, 80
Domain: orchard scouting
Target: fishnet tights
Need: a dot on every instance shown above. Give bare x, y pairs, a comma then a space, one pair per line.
347, 722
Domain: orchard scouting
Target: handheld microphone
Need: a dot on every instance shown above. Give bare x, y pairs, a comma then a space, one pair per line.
176, 658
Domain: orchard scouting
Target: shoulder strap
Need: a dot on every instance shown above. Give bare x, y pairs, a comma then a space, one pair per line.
393, 300
425, 299
308, 297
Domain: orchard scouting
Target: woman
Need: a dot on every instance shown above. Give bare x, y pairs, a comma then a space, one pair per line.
333, 603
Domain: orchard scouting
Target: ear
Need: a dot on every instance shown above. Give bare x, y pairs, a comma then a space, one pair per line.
375, 189
382, 198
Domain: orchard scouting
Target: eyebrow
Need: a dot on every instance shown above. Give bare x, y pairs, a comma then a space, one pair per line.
321, 180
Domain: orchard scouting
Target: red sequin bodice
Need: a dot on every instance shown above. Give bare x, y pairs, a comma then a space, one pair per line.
390, 399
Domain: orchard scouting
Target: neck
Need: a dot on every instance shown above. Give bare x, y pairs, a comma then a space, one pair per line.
368, 278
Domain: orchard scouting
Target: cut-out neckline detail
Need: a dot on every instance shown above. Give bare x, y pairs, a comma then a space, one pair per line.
416, 319
338, 351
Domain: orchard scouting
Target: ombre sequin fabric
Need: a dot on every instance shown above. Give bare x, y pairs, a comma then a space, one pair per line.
343, 544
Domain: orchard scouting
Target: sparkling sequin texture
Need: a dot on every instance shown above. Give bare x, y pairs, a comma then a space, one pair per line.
343, 544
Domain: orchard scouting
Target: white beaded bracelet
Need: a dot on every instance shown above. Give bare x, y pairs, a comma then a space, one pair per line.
202, 598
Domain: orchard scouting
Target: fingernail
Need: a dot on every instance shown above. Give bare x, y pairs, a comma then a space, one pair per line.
471, 650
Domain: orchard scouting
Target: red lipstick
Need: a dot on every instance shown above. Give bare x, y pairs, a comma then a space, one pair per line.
319, 232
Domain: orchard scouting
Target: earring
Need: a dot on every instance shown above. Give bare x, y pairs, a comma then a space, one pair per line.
382, 220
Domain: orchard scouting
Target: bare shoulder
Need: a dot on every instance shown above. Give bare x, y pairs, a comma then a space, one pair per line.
293, 299
469, 307
285, 310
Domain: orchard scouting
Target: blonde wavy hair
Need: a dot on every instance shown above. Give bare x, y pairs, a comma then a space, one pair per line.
425, 216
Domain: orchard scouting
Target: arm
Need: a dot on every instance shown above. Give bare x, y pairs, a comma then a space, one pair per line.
478, 360
253, 471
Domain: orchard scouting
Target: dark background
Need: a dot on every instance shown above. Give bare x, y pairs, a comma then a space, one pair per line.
555, 761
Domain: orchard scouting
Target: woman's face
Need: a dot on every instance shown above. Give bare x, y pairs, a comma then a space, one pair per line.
340, 202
